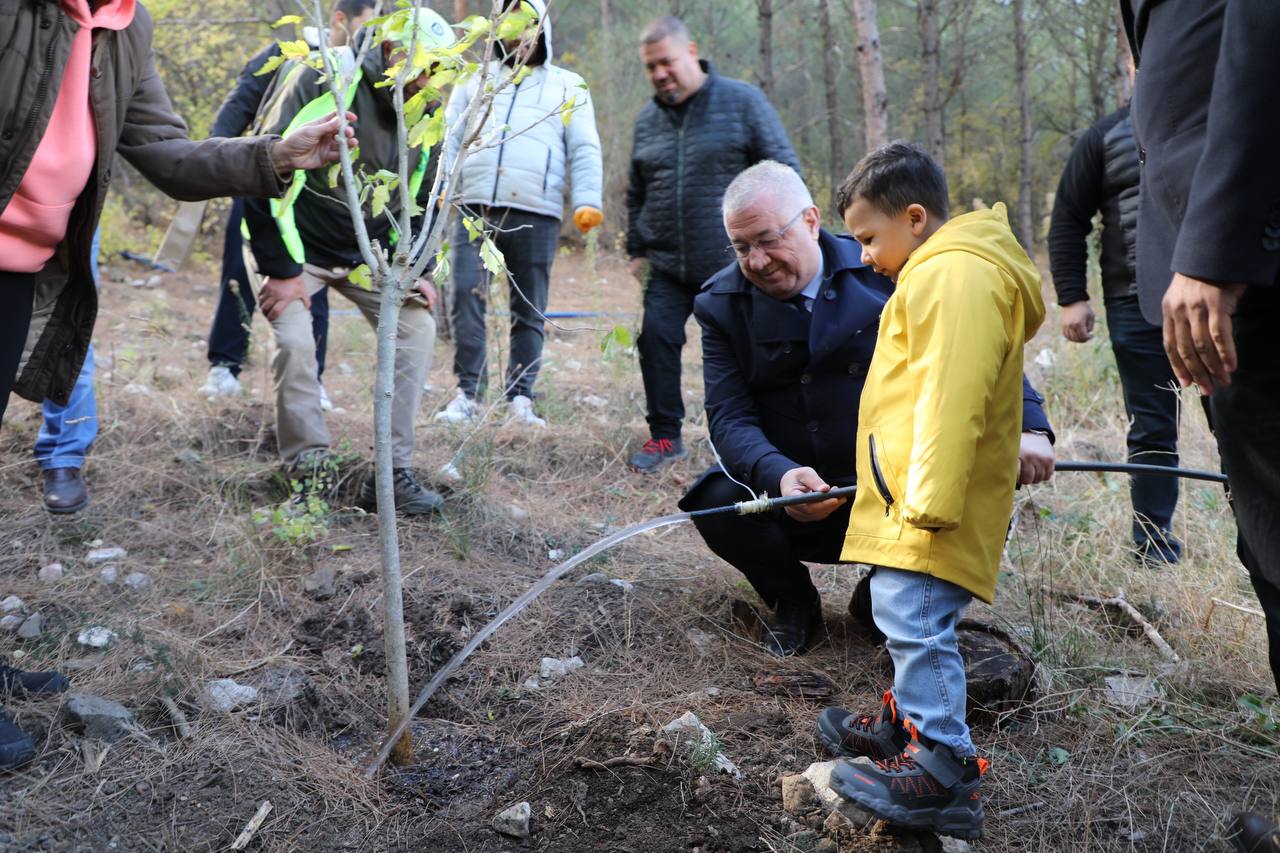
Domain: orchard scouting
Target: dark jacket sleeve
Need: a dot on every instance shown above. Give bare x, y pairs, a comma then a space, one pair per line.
265, 242
635, 201
1078, 198
155, 141
734, 423
1033, 416
1231, 230
241, 104
768, 136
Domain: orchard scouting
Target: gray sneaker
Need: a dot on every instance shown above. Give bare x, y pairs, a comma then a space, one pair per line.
412, 498
656, 453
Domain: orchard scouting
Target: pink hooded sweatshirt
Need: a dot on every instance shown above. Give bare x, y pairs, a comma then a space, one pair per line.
35, 220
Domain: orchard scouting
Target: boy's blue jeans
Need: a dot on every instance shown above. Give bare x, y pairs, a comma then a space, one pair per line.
68, 430
918, 614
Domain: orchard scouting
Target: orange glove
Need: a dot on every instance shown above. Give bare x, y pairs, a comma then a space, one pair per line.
587, 217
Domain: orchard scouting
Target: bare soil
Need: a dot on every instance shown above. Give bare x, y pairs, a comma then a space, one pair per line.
185, 485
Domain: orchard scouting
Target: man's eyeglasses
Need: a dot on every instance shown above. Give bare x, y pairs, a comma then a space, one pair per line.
767, 243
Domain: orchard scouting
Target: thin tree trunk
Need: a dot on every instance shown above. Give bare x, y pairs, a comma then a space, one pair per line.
1123, 81
931, 56
1025, 233
764, 20
461, 10
388, 538
875, 98
837, 166
606, 18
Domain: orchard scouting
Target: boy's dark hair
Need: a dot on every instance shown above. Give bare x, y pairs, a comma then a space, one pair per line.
893, 177
353, 8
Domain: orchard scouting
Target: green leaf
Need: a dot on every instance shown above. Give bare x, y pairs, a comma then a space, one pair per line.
514, 24
360, 277
618, 338
428, 132
295, 49
566, 112
491, 257
340, 548
334, 171
442, 269
270, 65
1058, 756
287, 19
474, 227
381, 195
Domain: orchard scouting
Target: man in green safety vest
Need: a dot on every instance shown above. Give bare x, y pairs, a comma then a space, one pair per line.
305, 242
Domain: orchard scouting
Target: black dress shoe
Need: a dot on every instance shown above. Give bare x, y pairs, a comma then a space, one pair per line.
64, 490
17, 682
16, 747
1250, 832
792, 627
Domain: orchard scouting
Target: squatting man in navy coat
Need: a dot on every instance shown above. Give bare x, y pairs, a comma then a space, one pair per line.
787, 335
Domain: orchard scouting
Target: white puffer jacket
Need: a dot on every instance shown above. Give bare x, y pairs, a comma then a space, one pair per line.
531, 151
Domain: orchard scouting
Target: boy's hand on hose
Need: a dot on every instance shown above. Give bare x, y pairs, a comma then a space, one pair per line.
803, 481
427, 290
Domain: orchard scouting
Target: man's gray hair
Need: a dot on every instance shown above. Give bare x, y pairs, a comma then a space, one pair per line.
769, 181
667, 27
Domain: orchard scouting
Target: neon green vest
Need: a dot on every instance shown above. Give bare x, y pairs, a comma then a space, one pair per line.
282, 208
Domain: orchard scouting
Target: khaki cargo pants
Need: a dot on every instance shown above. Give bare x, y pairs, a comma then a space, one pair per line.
300, 424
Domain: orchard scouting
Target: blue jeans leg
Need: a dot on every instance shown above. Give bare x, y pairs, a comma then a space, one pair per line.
68, 431
918, 614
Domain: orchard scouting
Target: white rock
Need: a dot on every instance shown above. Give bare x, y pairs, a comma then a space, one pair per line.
344, 368
594, 577
105, 555
109, 574
625, 586
514, 821
1045, 358
51, 573
573, 364
137, 580
518, 513
11, 604
96, 637
532, 683
10, 622
555, 555
959, 845
594, 401
819, 775
698, 738
700, 640
450, 472
136, 388
224, 695
1130, 692
552, 668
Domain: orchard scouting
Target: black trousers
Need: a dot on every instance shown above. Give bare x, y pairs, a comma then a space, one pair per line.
229, 336
1152, 407
17, 291
767, 548
667, 306
528, 244
1245, 417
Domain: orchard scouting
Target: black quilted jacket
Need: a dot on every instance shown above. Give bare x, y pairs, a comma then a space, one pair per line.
682, 160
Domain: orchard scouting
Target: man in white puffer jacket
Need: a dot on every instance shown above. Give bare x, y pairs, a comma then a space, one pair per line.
514, 179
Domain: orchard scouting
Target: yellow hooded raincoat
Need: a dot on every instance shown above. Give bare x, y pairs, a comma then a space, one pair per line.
941, 413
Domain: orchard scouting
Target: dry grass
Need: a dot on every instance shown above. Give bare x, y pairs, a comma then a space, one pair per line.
176, 481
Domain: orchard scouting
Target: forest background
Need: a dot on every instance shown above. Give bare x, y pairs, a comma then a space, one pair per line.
996, 89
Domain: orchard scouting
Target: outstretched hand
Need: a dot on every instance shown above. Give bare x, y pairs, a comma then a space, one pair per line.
311, 145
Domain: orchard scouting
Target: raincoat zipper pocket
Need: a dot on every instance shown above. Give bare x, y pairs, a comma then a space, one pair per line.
878, 475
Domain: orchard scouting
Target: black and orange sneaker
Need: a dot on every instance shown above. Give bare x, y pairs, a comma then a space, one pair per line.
656, 453
876, 736
925, 787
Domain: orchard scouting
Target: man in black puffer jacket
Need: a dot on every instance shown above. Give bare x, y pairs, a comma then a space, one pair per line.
691, 141
1102, 175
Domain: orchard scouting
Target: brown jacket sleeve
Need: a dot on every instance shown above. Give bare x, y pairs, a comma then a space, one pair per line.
155, 141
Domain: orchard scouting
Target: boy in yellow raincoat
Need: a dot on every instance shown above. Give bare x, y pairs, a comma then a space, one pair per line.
937, 461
